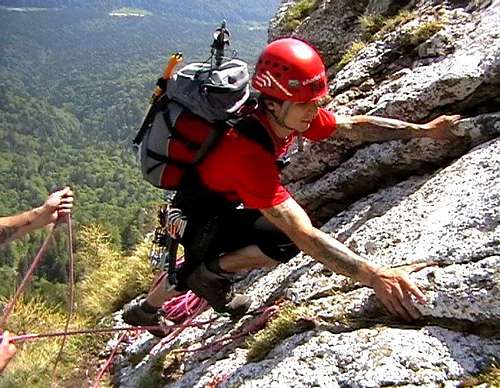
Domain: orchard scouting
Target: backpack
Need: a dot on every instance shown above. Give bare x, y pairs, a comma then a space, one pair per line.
215, 96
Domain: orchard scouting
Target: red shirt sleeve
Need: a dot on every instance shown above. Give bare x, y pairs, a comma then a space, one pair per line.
322, 126
258, 179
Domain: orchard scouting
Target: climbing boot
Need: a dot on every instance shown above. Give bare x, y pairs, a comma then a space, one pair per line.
136, 313
217, 291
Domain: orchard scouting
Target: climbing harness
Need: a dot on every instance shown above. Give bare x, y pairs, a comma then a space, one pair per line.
163, 251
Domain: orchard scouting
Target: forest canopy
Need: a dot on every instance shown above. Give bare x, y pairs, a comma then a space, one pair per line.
74, 85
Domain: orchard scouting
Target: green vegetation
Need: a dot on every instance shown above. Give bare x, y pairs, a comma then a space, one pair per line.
390, 24
114, 278
371, 24
490, 377
374, 27
421, 33
285, 324
298, 12
161, 371
119, 278
32, 366
74, 85
351, 52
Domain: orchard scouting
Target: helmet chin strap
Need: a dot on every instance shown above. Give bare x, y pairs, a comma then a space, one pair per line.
281, 121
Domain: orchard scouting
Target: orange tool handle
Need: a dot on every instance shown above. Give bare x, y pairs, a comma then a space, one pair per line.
174, 60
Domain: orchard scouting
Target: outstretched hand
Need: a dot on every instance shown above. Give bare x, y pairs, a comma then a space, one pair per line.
441, 127
58, 205
394, 289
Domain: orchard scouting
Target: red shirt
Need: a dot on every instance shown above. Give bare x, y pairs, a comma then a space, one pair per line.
245, 172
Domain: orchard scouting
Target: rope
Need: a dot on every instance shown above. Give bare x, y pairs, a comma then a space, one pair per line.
182, 308
180, 328
36, 337
71, 275
254, 326
109, 361
27, 278
179, 308
172, 311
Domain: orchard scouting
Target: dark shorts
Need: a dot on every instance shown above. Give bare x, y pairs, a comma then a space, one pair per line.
208, 237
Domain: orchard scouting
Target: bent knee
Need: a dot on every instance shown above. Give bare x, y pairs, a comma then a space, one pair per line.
281, 252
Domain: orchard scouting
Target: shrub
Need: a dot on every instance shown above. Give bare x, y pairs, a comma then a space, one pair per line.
111, 279
108, 279
298, 12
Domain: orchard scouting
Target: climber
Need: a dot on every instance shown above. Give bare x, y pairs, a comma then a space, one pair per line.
221, 239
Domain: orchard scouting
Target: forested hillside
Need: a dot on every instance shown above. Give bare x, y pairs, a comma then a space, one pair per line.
74, 84
236, 11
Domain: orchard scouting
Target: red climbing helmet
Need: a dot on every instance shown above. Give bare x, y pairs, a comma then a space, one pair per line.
290, 69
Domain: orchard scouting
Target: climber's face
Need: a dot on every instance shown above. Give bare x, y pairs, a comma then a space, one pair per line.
294, 116
300, 115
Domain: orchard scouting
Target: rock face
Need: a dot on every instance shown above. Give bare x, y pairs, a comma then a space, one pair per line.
395, 203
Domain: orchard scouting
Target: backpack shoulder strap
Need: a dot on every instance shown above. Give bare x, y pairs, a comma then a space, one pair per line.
253, 129
248, 126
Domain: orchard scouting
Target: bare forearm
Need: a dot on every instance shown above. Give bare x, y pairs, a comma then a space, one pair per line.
17, 226
293, 220
337, 257
375, 128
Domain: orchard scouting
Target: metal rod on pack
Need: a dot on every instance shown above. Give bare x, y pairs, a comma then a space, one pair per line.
221, 40
160, 88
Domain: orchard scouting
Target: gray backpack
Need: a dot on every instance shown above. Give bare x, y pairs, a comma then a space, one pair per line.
213, 95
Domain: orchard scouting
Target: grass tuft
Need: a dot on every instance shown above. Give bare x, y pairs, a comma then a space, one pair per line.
32, 366
282, 326
153, 377
351, 52
298, 12
390, 24
371, 24
374, 27
421, 33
